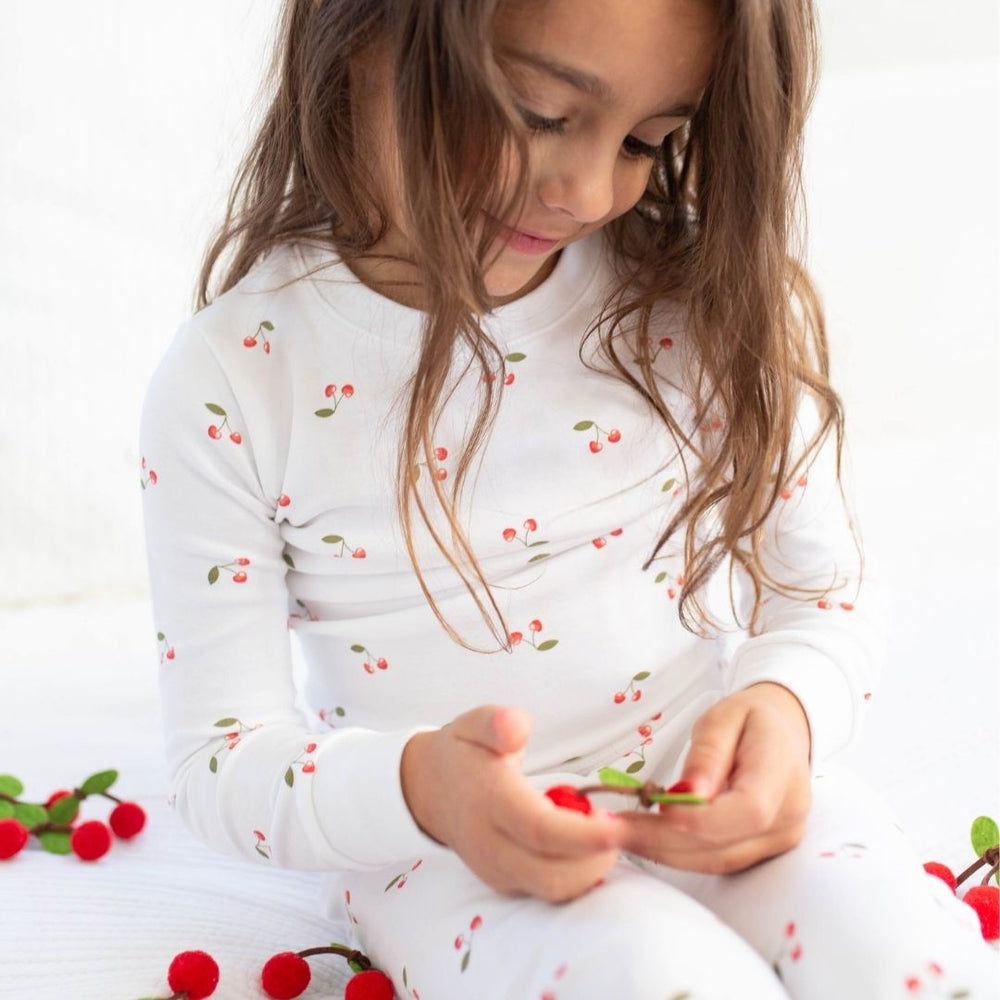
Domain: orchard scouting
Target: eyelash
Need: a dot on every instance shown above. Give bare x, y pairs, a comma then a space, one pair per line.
635, 149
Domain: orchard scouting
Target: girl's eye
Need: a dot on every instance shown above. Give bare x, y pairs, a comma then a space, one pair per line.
632, 147
538, 123
637, 149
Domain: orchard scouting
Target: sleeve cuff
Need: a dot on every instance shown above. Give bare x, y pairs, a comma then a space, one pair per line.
359, 800
821, 688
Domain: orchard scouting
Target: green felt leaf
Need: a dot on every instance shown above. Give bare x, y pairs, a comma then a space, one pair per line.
333, 539
641, 676
213, 574
213, 765
636, 765
465, 960
548, 644
984, 834
226, 723
216, 409
99, 782
357, 648
6, 809
289, 777
539, 557
64, 810
678, 798
583, 425
267, 324
9, 785
30, 814
516, 356
55, 841
325, 412
609, 776
668, 485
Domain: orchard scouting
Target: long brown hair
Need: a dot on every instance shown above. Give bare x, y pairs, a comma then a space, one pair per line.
715, 231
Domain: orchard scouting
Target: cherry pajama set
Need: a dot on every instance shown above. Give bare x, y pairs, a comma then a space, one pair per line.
269, 445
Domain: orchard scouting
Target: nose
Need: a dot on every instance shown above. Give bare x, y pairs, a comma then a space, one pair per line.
579, 183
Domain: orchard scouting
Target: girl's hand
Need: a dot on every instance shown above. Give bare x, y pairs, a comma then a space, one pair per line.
750, 755
464, 787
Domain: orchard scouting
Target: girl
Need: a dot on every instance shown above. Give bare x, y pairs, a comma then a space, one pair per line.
512, 404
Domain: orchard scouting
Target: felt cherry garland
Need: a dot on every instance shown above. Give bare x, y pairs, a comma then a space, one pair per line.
193, 975
983, 898
648, 793
54, 821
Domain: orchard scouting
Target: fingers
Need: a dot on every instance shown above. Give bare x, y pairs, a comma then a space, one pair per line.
499, 728
714, 740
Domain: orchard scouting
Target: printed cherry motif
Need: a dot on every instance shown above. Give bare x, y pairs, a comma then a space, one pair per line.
308, 766
530, 525
791, 949
371, 662
400, 880
147, 477
231, 738
534, 627
439, 472
463, 942
261, 845
613, 436
330, 391
602, 540
284, 500
358, 553
663, 344
251, 339
167, 652
215, 430
234, 568
508, 379
328, 715
632, 692
826, 605
645, 732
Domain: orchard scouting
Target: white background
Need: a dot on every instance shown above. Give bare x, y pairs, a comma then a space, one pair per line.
122, 124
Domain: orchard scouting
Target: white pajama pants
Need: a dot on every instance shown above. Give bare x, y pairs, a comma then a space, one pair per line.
849, 914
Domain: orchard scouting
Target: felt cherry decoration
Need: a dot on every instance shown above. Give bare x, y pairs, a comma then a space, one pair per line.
943, 872
985, 900
127, 819
193, 975
285, 975
90, 840
369, 985
648, 793
567, 797
13, 837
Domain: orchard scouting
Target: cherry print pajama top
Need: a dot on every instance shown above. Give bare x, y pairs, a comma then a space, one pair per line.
269, 442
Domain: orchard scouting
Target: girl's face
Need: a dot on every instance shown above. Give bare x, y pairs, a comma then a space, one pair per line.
599, 84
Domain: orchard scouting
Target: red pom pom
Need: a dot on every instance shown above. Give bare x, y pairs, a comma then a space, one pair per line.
369, 985
90, 840
127, 819
194, 973
567, 797
285, 975
943, 872
985, 900
13, 836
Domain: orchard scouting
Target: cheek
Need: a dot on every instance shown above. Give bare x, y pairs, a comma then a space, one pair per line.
630, 185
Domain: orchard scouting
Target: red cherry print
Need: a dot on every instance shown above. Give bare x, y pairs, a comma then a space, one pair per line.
441, 474
13, 837
614, 436
369, 985
329, 391
285, 975
416, 864
347, 391
440, 454
666, 343
913, 984
671, 593
382, 663
236, 437
535, 625
567, 797
716, 423
194, 974
789, 929
267, 347
476, 923
847, 606
284, 500
127, 819
249, 341
530, 524
619, 697
509, 534
401, 882
616, 532
369, 669
657, 717
308, 767
90, 840
509, 379
943, 872
802, 481
824, 605
214, 433
645, 730
515, 637
240, 577
310, 747
786, 494
637, 694
796, 953
459, 941
599, 543
596, 446
242, 561
359, 554
152, 476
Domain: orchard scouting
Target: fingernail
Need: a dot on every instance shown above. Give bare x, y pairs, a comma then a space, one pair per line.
680, 788
610, 814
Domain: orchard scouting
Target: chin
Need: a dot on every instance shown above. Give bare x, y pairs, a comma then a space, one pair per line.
504, 281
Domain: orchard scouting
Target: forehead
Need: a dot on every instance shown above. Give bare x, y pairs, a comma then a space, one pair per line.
638, 55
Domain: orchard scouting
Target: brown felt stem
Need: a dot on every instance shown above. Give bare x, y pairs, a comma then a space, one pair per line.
352, 955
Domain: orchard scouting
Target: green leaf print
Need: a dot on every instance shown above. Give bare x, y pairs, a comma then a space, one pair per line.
636, 765
548, 644
641, 676
333, 539
213, 765
289, 777
267, 324
356, 648
216, 409
213, 574
325, 412
668, 485
465, 960
516, 356
225, 723
583, 425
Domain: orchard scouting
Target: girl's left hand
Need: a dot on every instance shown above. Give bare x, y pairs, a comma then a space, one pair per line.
750, 755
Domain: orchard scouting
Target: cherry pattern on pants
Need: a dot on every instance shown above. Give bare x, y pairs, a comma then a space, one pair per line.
602, 540
331, 392
356, 553
304, 762
632, 692
215, 431
147, 477
371, 662
645, 732
400, 880
235, 569
789, 951
261, 846
463, 942
932, 982
231, 740
167, 652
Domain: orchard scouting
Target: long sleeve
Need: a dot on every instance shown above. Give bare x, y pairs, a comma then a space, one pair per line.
248, 777
823, 635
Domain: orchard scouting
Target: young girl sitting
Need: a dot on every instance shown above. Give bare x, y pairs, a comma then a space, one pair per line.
509, 400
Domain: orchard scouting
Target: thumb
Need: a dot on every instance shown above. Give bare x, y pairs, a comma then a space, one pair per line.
499, 728
712, 754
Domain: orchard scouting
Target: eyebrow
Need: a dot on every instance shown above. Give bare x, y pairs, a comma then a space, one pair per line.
589, 84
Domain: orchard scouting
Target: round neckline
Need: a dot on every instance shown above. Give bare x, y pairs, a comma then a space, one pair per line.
346, 295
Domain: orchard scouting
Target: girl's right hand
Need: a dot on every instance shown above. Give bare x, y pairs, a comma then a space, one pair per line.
464, 786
